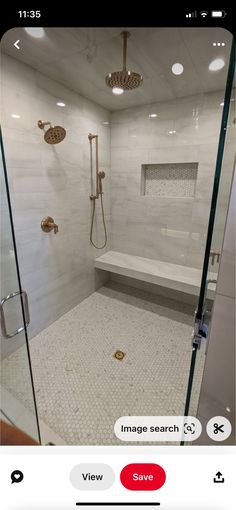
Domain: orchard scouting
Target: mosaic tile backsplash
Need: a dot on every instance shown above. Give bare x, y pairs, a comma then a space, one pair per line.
170, 180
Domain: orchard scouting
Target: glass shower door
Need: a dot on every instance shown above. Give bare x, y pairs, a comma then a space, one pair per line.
214, 241
14, 319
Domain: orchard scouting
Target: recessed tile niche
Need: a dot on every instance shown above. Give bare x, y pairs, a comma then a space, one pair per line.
169, 179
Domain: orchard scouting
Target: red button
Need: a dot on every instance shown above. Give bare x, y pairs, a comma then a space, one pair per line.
142, 477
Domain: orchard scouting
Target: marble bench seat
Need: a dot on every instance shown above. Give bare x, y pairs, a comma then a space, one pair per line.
172, 276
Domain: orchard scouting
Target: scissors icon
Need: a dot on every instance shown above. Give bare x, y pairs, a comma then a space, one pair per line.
218, 428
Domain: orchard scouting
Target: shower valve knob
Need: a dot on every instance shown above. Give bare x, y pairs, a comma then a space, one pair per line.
48, 224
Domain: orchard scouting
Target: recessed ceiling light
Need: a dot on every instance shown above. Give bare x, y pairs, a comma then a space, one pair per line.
177, 68
35, 31
216, 64
172, 132
15, 116
60, 103
106, 122
117, 91
152, 115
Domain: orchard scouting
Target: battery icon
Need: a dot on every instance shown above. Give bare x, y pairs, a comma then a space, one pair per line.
218, 14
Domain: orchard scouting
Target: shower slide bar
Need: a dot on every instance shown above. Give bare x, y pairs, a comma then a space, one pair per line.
98, 194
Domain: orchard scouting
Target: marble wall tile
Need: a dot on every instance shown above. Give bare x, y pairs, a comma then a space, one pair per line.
56, 270
226, 281
153, 288
161, 226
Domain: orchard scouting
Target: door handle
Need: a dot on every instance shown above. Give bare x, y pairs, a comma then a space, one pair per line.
5, 333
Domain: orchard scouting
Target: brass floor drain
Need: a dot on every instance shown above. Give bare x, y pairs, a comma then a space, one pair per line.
119, 355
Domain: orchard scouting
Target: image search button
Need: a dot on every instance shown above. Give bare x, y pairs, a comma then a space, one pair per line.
16, 476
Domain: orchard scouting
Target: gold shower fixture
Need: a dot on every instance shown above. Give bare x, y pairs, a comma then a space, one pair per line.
48, 224
119, 355
54, 134
100, 174
124, 80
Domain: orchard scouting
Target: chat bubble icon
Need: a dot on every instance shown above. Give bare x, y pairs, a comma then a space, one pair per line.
16, 476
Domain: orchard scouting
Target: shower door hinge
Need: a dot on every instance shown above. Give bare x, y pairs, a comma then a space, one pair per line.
200, 332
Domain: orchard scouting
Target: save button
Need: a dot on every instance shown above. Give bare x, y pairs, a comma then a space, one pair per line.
142, 477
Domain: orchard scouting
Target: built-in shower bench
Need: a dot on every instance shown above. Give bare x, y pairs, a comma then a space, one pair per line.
172, 276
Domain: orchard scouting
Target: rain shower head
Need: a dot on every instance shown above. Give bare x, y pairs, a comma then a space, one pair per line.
125, 80
54, 134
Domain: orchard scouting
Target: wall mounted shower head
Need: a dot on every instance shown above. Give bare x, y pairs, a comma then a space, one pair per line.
125, 80
54, 134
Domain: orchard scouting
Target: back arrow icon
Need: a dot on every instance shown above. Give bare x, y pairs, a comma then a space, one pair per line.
16, 44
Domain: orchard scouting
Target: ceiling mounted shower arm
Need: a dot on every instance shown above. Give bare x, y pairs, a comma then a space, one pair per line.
125, 36
119, 81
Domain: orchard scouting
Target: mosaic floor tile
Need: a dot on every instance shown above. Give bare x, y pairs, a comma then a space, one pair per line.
81, 389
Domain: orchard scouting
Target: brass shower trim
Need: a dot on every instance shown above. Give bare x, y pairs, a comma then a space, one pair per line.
99, 174
119, 355
124, 79
91, 136
48, 224
42, 125
54, 134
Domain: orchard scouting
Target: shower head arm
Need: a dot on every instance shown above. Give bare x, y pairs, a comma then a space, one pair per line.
41, 124
125, 36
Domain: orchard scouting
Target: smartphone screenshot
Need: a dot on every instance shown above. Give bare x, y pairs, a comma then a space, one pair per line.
118, 221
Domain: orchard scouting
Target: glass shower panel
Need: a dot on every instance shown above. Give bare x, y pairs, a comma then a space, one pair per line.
14, 410
224, 190
220, 200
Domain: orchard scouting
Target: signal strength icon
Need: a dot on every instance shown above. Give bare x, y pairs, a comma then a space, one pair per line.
191, 14
204, 14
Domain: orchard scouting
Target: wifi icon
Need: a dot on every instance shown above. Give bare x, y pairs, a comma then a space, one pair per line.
204, 13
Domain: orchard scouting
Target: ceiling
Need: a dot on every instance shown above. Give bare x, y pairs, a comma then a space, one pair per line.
80, 58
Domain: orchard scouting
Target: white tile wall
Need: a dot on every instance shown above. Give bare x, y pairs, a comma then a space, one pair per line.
141, 224
57, 270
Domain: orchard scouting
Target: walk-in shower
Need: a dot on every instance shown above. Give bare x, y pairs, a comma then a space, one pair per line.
118, 231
